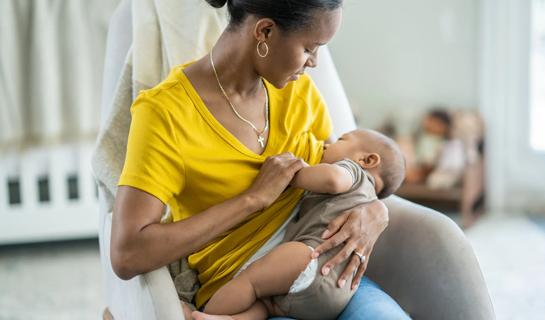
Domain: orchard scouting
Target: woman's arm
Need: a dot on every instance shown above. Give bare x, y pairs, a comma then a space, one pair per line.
140, 243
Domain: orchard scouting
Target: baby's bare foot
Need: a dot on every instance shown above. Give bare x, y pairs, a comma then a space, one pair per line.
187, 311
204, 316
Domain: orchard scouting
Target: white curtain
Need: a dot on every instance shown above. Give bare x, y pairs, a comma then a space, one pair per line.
51, 65
14, 16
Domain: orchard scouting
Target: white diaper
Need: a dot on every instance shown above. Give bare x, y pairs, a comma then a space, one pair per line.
306, 277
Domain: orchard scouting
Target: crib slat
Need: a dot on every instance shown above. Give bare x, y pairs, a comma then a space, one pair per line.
4, 196
59, 219
85, 174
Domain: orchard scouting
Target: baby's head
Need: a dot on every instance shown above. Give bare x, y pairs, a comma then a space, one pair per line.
376, 153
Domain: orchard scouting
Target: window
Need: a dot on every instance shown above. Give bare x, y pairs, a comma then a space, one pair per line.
537, 77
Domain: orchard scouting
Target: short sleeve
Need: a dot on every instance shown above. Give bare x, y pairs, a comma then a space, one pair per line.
322, 126
363, 182
353, 169
153, 163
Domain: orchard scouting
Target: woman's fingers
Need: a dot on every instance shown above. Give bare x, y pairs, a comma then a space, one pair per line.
361, 269
342, 255
285, 155
296, 165
335, 225
274, 176
349, 272
359, 228
329, 244
283, 162
332, 232
354, 269
346, 253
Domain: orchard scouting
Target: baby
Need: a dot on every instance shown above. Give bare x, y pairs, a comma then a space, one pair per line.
361, 166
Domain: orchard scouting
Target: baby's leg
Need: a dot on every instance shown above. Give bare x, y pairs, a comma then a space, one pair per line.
187, 310
269, 276
258, 311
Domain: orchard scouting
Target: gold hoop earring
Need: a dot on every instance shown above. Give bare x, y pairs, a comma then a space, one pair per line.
266, 49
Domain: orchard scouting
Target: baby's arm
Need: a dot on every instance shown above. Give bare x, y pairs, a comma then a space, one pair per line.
323, 178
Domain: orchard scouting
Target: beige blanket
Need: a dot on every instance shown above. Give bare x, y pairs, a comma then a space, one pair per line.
165, 33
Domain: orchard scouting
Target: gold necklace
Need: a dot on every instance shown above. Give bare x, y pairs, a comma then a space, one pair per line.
259, 133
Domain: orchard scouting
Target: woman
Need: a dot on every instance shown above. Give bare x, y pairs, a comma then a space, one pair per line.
219, 145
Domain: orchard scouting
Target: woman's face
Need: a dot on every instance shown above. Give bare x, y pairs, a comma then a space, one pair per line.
291, 52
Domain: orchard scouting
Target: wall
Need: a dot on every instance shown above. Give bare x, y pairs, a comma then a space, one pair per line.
397, 58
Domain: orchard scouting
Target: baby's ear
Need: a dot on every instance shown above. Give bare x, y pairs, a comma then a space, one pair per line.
369, 160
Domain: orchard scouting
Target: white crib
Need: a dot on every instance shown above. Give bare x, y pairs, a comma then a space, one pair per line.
47, 194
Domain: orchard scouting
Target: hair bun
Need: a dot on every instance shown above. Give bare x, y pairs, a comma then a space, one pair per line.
217, 3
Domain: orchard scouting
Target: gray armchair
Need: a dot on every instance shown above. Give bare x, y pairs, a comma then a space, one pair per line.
423, 260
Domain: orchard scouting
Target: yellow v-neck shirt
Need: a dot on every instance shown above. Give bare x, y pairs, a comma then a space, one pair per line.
178, 152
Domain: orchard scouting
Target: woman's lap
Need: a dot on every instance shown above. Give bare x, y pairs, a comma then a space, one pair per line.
370, 302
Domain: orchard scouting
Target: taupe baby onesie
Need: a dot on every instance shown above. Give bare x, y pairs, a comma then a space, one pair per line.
323, 299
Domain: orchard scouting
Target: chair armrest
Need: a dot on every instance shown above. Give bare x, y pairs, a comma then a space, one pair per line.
425, 262
150, 296
328, 82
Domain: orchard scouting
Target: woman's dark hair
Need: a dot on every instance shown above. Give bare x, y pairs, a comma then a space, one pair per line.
290, 15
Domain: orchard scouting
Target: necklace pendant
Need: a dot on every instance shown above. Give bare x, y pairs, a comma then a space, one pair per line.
261, 141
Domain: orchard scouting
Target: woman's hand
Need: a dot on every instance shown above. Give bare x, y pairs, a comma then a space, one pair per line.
273, 178
359, 229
